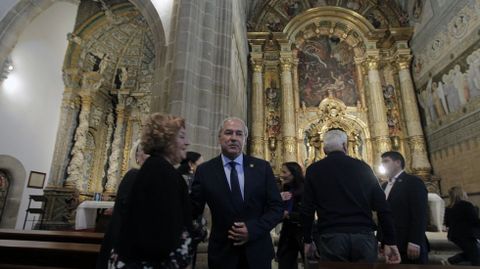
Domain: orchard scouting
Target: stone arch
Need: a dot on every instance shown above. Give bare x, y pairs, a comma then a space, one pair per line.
345, 24
18, 176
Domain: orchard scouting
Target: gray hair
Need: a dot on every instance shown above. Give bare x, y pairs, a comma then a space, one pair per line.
222, 124
334, 140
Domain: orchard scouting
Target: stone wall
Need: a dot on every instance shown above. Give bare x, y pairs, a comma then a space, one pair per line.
206, 68
446, 59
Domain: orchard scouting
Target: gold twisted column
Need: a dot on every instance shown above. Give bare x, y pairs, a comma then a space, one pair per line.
256, 136
288, 111
114, 162
377, 110
75, 167
419, 162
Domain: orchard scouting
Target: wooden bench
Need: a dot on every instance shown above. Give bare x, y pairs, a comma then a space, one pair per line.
48, 254
340, 265
52, 236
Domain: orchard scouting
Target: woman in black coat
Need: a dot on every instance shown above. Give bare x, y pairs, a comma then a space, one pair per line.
156, 230
461, 219
291, 235
112, 234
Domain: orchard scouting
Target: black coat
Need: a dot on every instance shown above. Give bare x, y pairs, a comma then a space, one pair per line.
158, 212
462, 221
408, 200
263, 210
112, 235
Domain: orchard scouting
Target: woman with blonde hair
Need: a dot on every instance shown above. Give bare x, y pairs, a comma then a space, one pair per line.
461, 219
155, 232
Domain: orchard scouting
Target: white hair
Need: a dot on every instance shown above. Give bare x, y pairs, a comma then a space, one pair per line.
222, 124
334, 140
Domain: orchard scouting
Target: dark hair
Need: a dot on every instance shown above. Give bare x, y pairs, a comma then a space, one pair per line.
395, 156
192, 157
297, 173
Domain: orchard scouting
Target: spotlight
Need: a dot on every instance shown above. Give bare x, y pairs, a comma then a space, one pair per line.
6, 68
382, 170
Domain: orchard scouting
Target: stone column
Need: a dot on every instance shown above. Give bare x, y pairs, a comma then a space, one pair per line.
288, 110
75, 168
377, 110
114, 162
258, 115
419, 162
296, 92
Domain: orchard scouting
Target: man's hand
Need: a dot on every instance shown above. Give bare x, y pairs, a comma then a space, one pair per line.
238, 233
392, 255
309, 250
286, 195
413, 251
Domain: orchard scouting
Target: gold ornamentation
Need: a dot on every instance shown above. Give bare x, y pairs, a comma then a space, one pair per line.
403, 61
289, 144
372, 63
257, 147
286, 64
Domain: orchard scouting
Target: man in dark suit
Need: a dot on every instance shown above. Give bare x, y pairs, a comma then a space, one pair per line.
408, 199
244, 202
344, 192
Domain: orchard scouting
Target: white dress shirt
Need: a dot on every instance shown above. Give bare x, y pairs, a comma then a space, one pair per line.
390, 183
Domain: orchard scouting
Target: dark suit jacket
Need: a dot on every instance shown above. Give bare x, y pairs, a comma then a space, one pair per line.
462, 221
408, 201
263, 209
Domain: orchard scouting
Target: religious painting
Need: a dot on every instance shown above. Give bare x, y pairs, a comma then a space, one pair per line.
451, 90
291, 8
326, 68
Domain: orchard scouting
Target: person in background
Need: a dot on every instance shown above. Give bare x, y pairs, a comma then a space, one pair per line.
291, 235
156, 230
461, 219
187, 169
408, 199
344, 191
110, 238
189, 165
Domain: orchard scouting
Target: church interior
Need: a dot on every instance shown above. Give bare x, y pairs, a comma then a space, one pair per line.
78, 76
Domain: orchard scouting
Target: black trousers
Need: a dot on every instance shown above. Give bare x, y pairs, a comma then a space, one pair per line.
289, 245
346, 247
470, 251
422, 259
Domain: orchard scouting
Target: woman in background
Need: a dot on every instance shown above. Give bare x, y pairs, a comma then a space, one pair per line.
110, 239
291, 235
189, 165
187, 169
156, 230
461, 220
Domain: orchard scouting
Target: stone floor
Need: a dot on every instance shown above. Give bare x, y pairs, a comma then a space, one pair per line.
441, 249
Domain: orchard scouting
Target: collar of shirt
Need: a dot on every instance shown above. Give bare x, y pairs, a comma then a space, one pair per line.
238, 160
393, 179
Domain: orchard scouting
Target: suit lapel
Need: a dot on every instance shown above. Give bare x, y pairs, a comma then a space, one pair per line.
222, 179
397, 186
247, 177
